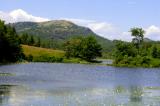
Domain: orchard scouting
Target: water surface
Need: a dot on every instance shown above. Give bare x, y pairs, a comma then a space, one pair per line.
46, 84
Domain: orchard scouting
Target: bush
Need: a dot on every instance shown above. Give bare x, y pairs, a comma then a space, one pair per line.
155, 63
86, 48
146, 60
45, 58
29, 58
60, 59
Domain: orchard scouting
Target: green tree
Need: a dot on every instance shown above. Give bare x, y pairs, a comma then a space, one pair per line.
38, 43
24, 38
158, 54
90, 48
10, 49
138, 34
125, 48
86, 48
73, 47
31, 41
155, 52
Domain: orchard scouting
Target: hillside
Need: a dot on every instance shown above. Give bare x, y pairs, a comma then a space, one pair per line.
37, 51
48, 55
148, 40
59, 30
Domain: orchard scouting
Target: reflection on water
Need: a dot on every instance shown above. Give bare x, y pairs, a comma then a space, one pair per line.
21, 96
78, 85
136, 94
4, 93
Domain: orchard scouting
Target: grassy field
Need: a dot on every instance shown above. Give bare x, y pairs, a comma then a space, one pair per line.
48, 55
37, 51
37, 54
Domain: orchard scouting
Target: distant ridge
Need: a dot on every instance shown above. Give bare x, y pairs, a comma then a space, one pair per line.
59, 30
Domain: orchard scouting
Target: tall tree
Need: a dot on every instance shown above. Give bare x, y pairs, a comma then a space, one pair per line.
10, 49
138, 33
86, 48
24, 38
31, 41
38, 43
90, 48
154, 52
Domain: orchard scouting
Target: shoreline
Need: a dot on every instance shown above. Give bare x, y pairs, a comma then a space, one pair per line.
85, 63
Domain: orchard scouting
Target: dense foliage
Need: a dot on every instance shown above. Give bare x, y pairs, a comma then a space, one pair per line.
30, 40
137, 52
10, 49
86, 48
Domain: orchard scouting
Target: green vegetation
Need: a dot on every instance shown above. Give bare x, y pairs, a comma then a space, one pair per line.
30, 40
10, 49
78, 50
37, 54
85, 48
155, 52
137, 53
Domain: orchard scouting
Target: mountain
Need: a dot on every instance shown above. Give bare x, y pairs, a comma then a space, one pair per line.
59, 30
148, 40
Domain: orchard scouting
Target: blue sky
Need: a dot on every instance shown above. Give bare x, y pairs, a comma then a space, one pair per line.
122, 14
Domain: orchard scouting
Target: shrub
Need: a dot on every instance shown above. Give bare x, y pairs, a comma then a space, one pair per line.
86, 48
46, 58
29, 58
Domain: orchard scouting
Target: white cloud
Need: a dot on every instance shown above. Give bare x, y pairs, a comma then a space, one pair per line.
6, 17
153, 32
19, 16
103, 29
82, 22
111, 32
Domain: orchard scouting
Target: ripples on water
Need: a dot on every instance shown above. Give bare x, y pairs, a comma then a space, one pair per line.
42, 84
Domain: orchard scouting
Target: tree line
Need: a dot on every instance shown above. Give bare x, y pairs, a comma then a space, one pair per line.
30, 40
86, 48
10, 48
138, 52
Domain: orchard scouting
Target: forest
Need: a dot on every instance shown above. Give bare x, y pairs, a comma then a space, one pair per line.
10, 48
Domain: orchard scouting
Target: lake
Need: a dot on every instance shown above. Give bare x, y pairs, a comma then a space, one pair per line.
47, 84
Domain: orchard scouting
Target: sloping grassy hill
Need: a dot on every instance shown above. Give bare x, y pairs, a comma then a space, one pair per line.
48, 55
37, 51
